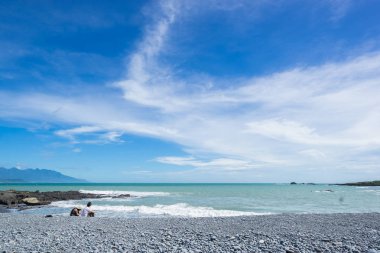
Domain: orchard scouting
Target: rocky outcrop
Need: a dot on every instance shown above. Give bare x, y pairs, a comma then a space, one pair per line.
18, 199
369, 183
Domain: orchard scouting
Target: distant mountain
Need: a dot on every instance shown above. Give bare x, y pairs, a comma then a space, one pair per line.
14, 175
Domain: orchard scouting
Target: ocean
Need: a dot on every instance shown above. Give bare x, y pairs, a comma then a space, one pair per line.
209, 200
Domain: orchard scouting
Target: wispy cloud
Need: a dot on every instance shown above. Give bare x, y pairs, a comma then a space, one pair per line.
220, 164
77, 150
70, 133
92, 134
339, 8
313, 153
147, 82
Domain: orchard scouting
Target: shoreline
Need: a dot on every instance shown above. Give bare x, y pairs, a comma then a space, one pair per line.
264, 233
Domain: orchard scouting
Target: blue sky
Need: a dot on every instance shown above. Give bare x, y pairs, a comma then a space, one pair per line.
192, 91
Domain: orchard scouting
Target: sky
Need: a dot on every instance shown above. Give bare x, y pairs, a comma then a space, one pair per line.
192, 91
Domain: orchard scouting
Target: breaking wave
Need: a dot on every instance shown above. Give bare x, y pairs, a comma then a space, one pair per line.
175, 210
119, 193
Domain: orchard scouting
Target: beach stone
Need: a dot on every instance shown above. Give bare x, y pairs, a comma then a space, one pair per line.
273, 233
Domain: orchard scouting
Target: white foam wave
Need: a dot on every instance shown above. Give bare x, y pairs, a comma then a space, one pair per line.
67, 204
377, 192
119, 193
177, 210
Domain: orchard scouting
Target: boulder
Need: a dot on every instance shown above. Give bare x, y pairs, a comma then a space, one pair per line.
8, 198
31, 201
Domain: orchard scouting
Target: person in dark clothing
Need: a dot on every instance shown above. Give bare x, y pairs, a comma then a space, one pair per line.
75, 211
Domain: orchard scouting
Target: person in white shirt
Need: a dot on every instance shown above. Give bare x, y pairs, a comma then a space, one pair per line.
87, 212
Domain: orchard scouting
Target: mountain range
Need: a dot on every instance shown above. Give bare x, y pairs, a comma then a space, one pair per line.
14, 175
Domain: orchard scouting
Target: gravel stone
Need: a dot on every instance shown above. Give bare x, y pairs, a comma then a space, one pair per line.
269, 233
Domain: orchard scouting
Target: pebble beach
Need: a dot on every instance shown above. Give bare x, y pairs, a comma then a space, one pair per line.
266, 233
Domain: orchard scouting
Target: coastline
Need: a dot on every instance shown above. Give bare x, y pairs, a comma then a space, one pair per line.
366, 183
272, 233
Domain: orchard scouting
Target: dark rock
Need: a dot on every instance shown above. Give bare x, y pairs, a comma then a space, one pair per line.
12, 198
369, 183
122, 196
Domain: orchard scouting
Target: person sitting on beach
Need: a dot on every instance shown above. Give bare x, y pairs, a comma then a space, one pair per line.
87, 212
75, 211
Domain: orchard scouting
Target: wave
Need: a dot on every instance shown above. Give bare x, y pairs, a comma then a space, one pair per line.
118, 193
175, 210
329, 191
377, 192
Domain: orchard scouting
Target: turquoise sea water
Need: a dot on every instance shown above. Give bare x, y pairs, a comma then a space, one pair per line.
211, 200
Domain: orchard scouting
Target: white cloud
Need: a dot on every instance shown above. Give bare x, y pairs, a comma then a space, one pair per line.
71, 133
147, 83
113, 136
283, 130
94, 135
21, 166
144, 172
220, 164
316, 154
77, 150
339, 8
